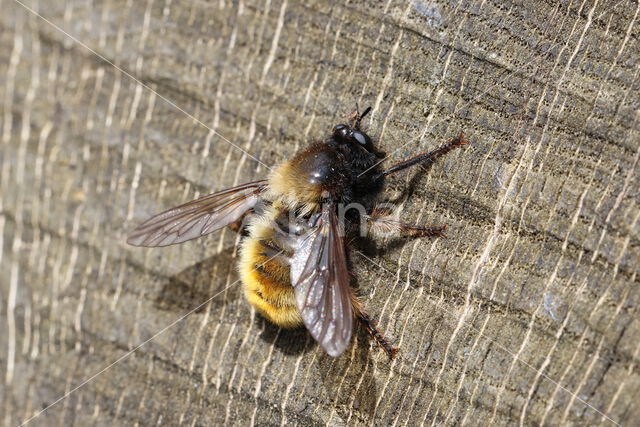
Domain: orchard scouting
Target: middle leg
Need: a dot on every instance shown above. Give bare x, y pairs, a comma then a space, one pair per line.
380, 221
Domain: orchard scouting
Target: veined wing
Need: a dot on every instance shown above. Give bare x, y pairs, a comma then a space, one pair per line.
320, 279
198, 217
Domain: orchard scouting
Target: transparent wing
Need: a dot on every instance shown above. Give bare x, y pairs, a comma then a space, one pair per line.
320, 280
198, 217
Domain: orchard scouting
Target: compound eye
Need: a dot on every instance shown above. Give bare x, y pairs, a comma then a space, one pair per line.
359, 136
341, 131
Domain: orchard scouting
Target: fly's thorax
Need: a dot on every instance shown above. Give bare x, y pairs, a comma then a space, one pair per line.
319, 172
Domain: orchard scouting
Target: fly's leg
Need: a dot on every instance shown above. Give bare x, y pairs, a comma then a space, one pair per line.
427, 157
372, 328
381, 221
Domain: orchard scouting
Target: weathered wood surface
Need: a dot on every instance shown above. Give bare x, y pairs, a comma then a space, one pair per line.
527, 313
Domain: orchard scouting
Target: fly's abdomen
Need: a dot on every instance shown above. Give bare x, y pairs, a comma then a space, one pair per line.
265, 274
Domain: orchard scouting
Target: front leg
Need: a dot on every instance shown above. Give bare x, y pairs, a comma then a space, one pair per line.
427, 157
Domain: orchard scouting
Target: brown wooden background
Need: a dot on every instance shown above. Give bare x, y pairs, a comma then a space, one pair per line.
527, 313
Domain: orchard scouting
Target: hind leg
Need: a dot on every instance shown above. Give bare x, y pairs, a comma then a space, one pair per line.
371, 327
382, 341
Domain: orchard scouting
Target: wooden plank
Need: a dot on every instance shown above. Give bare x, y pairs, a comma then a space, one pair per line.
527, 313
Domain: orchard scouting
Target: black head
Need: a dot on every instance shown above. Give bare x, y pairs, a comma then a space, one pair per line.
351, 134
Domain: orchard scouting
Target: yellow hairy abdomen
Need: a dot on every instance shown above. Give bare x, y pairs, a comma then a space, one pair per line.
266, 281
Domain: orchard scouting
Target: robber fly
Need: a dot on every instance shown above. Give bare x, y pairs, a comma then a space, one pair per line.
293, 261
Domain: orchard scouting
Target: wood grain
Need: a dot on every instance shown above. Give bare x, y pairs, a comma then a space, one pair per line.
527, 313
